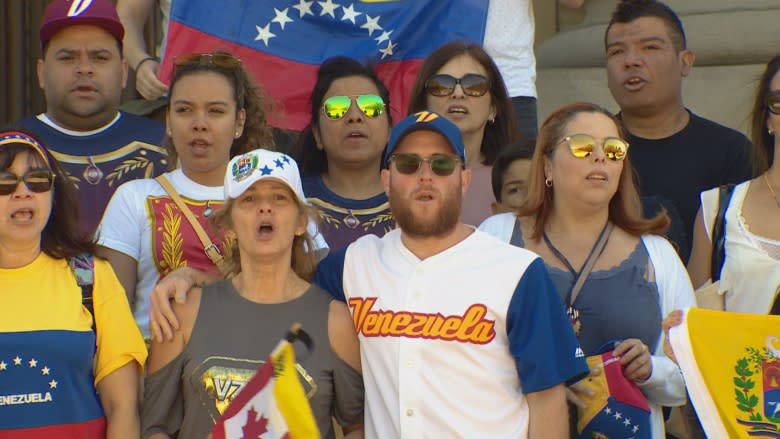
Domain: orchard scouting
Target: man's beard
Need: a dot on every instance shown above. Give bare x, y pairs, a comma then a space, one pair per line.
443, 222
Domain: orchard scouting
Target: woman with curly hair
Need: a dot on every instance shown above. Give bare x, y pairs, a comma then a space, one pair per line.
215, 112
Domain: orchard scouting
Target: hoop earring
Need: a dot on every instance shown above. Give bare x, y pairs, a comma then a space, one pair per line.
548, 182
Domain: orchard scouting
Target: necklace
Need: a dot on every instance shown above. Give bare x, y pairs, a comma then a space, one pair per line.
766, 179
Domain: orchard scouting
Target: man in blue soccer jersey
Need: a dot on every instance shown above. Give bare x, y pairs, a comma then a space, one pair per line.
82, 74
461, 335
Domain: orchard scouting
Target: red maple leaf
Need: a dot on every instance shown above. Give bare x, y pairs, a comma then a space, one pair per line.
255, 426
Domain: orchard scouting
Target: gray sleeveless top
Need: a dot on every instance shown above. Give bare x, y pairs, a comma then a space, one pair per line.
614, 304
230, 340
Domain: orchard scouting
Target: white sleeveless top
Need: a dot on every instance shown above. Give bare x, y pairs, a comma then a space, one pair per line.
750, 275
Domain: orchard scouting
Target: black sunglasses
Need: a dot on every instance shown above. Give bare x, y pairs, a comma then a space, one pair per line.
773, 101
38, 181
444, 85
441, 165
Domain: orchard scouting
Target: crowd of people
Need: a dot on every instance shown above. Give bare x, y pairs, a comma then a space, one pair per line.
457, 269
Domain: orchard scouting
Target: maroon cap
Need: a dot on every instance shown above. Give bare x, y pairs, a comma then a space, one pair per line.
63, 13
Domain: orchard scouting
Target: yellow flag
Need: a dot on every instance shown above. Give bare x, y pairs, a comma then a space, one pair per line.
731, 364
272, 405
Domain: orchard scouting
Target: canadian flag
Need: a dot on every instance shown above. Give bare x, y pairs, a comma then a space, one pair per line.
273, 404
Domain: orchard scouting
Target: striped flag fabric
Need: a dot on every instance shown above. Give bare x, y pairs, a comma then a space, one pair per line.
283, 42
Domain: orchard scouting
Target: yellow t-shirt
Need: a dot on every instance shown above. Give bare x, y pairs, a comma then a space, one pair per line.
44, 296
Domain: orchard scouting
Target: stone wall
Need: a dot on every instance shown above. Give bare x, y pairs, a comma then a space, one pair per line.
732, 41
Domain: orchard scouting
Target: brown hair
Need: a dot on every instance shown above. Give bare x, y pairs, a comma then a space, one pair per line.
247, 95
304, 255
763, 149
62, 236
503, 130
625, 207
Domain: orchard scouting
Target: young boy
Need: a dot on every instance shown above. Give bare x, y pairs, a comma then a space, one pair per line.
510, 176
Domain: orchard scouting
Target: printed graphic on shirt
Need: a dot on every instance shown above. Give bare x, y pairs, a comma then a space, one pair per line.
174, 242
224, 378
97, 176
470, 327
46, 381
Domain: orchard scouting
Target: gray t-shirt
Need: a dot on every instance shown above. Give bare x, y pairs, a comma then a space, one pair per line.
230, 340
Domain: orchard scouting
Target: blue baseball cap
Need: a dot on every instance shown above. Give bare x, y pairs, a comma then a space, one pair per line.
426, 120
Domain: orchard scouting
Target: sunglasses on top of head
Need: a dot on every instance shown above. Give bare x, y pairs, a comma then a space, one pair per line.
441, 164
773, 101
219, 59
336, 107
444, 85
36, 180
583, 145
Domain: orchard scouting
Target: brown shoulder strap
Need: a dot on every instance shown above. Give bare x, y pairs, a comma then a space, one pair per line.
211, 250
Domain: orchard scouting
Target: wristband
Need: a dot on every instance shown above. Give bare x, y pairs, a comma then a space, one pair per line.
148, 58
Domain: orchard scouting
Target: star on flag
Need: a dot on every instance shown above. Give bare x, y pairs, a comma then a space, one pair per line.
328, 8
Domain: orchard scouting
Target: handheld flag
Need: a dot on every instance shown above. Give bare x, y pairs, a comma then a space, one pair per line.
731, 364
283, 42
273, 404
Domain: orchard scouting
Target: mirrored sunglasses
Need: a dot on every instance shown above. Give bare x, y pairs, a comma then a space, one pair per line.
441, 165
336, 107
583, 145
773, 101
38, 181
444, 85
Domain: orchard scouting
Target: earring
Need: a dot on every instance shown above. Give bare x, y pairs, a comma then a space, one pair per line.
548, 182
238, 134
492, 120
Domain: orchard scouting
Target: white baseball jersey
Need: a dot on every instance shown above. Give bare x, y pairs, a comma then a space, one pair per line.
451, 344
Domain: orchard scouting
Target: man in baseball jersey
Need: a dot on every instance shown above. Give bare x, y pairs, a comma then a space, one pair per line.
460, 334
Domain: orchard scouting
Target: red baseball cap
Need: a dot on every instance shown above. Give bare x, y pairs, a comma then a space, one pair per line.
60, 14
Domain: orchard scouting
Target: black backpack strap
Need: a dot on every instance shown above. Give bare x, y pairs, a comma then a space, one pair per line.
83, 267
719, 231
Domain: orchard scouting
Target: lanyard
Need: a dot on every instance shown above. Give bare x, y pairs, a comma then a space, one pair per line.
580, 276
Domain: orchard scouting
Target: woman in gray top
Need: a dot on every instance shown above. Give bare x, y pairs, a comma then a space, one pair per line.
582, 209
227, 328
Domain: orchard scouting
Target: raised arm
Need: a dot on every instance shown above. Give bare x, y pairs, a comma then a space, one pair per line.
134, 14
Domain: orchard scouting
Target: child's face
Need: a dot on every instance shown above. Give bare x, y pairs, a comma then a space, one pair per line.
515, 186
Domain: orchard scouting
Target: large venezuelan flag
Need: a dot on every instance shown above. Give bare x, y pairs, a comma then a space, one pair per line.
731, 364
283, 41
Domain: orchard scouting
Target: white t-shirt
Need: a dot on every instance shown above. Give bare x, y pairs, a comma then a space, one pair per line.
143, 222
509, 40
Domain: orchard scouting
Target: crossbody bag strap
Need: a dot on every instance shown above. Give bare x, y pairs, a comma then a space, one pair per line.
211, 250
719, 231
587, 267
83, 268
